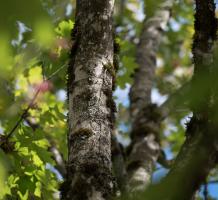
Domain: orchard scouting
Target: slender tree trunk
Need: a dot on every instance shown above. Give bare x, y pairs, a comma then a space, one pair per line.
198, 154
145, 116
91, 107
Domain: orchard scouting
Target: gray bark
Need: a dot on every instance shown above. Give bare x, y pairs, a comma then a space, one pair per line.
151, 36
91, 107
145, 116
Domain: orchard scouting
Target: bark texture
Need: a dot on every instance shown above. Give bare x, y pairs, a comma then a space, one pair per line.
145, 116
91, 107
151, 36
198, 154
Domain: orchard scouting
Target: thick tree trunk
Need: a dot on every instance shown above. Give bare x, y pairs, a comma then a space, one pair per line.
145, 117
91, 107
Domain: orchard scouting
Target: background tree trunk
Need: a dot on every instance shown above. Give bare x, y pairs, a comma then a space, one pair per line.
145, 116
91, 107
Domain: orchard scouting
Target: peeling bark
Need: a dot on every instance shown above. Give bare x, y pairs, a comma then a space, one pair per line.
91, 107
145, 116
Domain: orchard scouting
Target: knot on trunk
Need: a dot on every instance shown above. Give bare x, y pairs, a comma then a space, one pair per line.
147, 121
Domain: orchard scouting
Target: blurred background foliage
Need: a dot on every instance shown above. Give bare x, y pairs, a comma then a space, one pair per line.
34, 47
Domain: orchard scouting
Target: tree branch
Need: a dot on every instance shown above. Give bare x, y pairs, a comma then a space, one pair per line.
198, 154
146, 117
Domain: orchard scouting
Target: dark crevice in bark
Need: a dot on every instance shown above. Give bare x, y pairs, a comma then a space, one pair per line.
119, 168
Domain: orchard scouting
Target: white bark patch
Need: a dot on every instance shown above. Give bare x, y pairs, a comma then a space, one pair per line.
140, 179
105, 17
96, 195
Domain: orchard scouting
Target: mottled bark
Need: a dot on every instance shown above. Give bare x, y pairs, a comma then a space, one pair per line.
91, 107
151, 36
198, 154
145, 116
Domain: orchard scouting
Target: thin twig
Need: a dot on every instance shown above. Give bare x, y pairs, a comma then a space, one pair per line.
53, 74
22, 117
24, 113
213, 182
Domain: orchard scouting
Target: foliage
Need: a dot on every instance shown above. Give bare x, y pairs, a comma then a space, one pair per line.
34, 56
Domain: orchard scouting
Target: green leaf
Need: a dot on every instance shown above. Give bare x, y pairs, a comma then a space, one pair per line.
23, 197
37, 191
64, 28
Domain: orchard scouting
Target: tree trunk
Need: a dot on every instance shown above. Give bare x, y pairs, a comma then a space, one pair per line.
146, 117
91, 107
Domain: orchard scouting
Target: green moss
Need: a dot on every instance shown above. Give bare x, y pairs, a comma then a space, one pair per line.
116, 58
83, 132
111, 104
75, 37
116, 45
110, 68
116, 53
